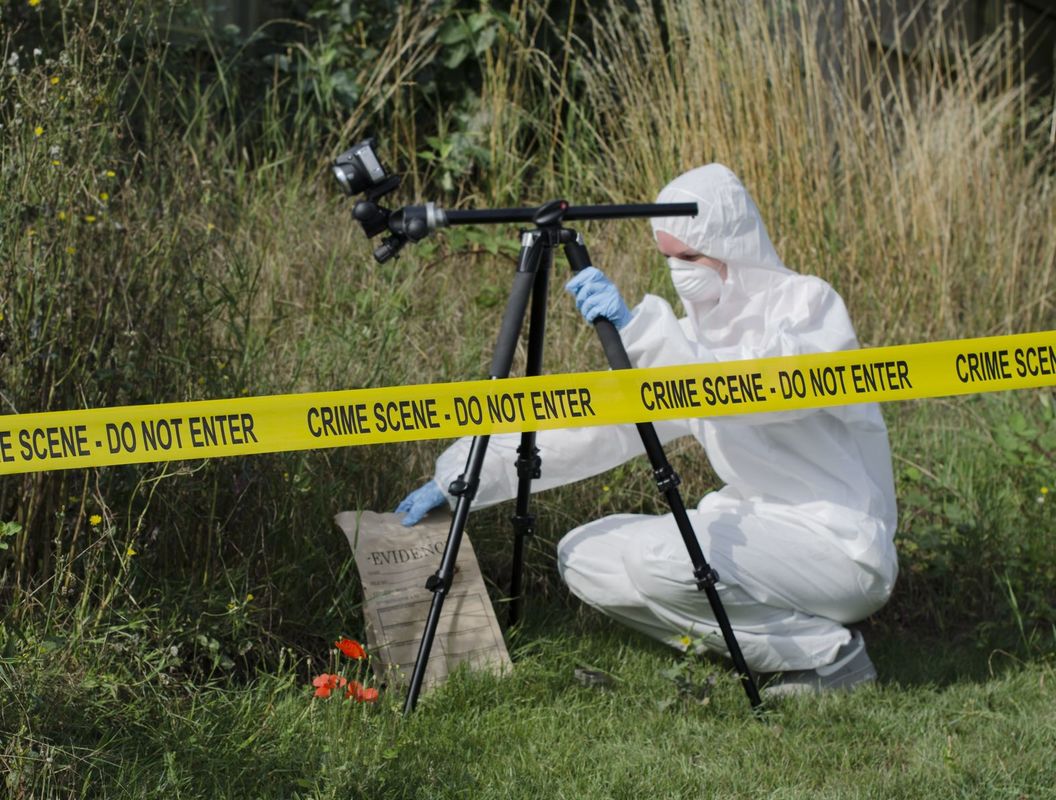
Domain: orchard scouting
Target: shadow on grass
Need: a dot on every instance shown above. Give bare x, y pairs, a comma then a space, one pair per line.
924, 658
904, 656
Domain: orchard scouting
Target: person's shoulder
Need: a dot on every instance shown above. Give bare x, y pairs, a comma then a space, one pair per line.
810, 300
816, 290
809, 283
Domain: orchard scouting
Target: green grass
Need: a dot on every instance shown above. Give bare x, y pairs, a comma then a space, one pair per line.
947, 720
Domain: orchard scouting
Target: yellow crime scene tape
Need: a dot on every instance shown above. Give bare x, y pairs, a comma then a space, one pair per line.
248, 425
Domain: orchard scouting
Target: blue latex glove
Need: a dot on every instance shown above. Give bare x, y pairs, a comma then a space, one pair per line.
597, 296
420, 502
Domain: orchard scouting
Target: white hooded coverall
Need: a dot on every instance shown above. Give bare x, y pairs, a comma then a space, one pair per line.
801, 533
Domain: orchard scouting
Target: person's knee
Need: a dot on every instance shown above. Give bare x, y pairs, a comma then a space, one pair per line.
601, 538
567, 547
592, 552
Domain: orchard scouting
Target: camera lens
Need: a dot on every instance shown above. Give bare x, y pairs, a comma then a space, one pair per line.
358, 168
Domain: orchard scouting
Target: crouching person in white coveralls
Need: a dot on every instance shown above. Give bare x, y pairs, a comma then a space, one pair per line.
801, 533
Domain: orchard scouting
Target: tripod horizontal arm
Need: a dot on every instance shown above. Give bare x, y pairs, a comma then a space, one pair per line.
417, 221
571, 213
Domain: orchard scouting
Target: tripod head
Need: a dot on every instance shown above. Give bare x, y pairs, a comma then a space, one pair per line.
359, 169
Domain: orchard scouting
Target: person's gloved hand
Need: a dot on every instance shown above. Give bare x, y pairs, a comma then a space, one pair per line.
597, 296
420, 502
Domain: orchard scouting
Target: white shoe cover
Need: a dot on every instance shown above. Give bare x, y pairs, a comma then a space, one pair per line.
851, 669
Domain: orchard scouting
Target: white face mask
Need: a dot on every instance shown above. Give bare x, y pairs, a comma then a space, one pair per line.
694, 282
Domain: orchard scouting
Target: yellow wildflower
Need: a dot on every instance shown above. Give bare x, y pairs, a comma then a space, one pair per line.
111, 174
71, 250
89, 218
34, 3
54, 80
94, 520
104, 196
38, 131
1044, 489
131, 551
61, 216
55, 162
249, 598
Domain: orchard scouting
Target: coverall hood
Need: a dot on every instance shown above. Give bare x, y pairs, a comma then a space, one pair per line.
729, 227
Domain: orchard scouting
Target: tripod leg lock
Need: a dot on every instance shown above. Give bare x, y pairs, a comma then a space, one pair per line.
523, 525
434, 582
706, 577
529, 466
459, 486
666, 478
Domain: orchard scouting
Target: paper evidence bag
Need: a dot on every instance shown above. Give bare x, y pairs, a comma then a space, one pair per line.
394, 563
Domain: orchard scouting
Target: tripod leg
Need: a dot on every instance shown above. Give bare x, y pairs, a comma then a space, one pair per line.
529, 464
667, 481
465, 487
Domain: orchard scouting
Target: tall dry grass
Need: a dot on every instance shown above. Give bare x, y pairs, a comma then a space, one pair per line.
909, 179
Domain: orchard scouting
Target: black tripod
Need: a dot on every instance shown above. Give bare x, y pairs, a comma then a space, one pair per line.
531, 282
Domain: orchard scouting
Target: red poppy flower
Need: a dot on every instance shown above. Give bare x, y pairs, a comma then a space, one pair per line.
361, 694
322, 685
351, 648
325, 683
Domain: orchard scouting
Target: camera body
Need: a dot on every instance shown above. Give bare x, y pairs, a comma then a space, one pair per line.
360, 170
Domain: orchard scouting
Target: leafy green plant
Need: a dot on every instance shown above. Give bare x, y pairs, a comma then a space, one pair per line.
975, 538
471, 35
8, 530
693, 675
